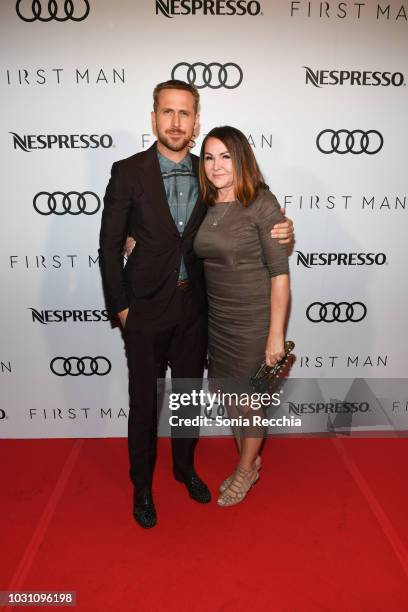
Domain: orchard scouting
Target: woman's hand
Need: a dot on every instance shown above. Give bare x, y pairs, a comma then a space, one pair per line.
274, 350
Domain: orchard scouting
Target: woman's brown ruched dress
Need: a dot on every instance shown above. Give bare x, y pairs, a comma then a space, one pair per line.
240, 257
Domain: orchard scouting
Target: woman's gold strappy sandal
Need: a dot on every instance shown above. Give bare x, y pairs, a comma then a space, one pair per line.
230, 478
242, 481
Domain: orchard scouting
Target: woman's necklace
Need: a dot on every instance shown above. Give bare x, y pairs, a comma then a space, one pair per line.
215, 221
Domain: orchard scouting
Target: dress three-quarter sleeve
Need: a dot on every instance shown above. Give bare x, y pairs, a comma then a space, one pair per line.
266, 213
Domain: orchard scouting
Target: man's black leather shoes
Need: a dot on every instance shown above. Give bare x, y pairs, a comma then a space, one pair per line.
196, 488
143, 508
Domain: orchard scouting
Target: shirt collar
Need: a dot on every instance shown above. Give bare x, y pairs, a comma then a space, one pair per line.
167, 164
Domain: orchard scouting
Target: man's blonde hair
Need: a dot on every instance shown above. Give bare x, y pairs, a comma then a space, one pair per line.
175, 84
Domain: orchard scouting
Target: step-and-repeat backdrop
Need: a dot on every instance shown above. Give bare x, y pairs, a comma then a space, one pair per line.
319, 89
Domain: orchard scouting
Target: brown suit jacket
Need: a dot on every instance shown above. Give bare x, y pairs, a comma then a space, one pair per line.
135, 204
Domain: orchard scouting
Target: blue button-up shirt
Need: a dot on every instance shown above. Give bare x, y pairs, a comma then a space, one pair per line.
181, 186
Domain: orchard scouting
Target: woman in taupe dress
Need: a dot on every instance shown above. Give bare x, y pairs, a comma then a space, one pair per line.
247, 278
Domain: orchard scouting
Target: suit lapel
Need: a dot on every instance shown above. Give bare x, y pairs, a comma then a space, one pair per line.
152, 183
198, 212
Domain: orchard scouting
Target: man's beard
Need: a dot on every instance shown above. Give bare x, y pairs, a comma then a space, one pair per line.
172, 145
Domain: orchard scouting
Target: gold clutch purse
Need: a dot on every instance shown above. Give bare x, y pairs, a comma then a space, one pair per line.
267, 374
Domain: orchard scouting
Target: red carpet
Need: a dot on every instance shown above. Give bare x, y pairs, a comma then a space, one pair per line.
324, 529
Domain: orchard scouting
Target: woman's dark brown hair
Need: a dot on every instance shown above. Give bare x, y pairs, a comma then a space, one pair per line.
248, 180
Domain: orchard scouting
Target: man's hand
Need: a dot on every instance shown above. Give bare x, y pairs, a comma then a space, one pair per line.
123, 316
283, 232
129, 246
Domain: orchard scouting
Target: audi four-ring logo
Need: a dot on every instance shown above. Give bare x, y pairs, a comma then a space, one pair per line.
214, 75
60, 203
75, 366
341, 312
344, 141
76, 10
